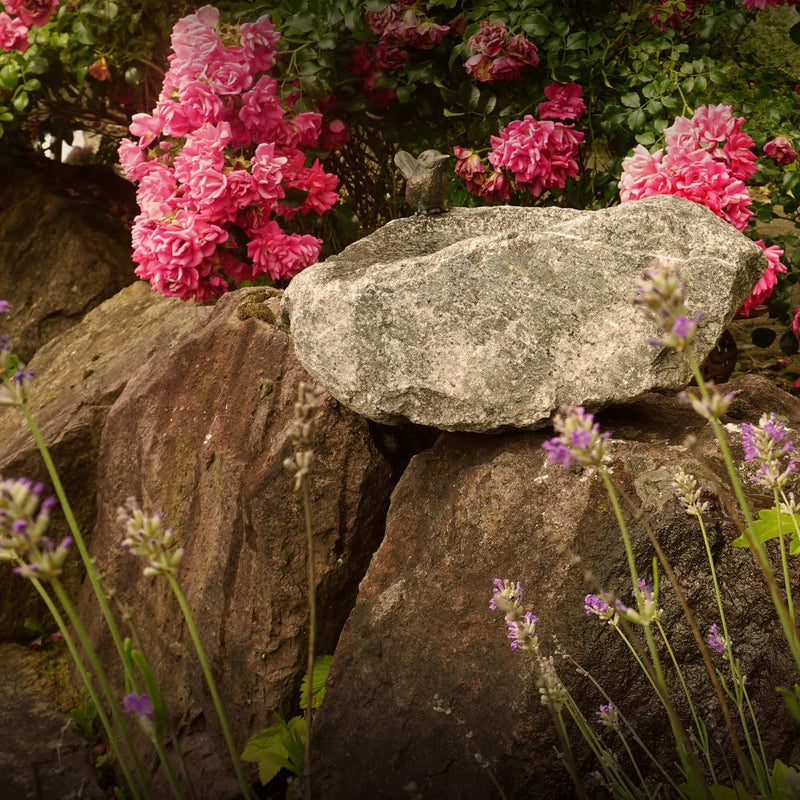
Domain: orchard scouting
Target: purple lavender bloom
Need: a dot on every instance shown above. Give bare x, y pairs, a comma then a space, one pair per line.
683, 327
522, 632
608, 716
578, 439
22, 376
138, 704
766, 443
595, 605
507, 597
716, 641
4, 306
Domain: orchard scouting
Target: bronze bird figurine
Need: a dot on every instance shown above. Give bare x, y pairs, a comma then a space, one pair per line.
426, 180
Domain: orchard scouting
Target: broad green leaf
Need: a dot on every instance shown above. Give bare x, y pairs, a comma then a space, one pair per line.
82, 33
9, 76
322, 666
647, 138
267, 750
20, 101
630, 100
792, 700
766, 526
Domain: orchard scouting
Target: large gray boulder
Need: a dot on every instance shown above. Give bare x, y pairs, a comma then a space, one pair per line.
488, 318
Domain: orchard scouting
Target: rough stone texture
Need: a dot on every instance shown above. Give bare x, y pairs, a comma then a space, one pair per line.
489, 318
78, 376
63, 247
42, 752
200, 433
475, 508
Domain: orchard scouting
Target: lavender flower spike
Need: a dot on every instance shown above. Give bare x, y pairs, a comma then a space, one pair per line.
522, 633
716, 641
507, 597
689, 492
767, 443
4, 306
661, 292
579, 438
608, 716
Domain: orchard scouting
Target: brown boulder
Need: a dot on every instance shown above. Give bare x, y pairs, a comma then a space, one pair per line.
64, 246
78, 376
200, 433
474, 508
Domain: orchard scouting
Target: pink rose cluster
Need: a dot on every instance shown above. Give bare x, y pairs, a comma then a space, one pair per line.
18, 17
214, 161
539, 154
400, 26
498, 56
706, 159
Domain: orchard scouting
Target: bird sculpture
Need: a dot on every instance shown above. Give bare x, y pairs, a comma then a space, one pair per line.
426, 180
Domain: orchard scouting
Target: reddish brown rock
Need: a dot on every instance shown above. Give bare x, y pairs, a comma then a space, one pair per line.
78, 376
474, 508
200, 434
64, 247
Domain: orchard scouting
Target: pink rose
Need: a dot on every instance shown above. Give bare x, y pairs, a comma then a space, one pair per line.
781, 150
334, 135
519, 48
13, 34
489, 40
503, 68
563, 102
766, 283
469, 163
495, 188
32, 12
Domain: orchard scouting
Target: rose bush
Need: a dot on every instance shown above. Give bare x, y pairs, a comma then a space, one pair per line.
539, 103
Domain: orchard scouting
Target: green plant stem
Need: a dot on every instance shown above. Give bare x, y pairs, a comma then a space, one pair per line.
88, 563
787, 623
212, 686
685, 752
102, 679
569, 761
701, 732
312, 634
87, 682
172, 778
784, 564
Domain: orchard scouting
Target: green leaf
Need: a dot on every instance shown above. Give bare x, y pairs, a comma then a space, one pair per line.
32, 84
766, 526
636, 119
792, 700
20, 101
267, 750
647, 138
319, 675
9, 76
82, 33
763, 337
538, 25
630, 100
448, 113
279, 747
